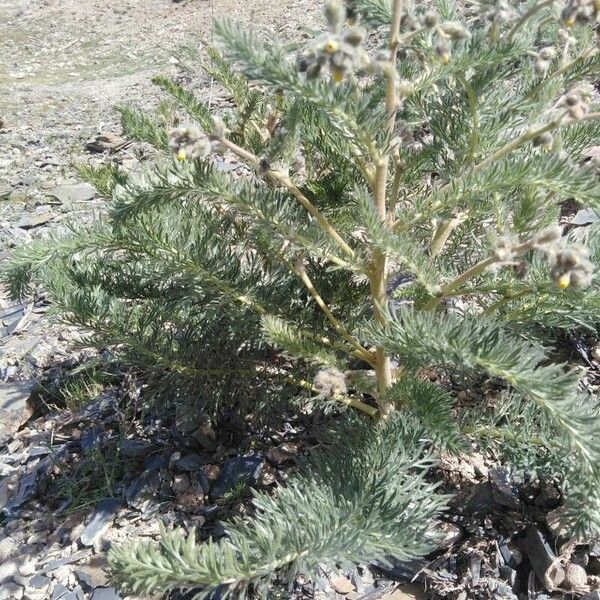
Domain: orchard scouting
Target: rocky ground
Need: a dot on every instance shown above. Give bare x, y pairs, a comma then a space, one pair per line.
88, 472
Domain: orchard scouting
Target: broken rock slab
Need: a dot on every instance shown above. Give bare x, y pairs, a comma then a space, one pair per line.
545, 564
241, 469
77, 192
15, 409
102, 519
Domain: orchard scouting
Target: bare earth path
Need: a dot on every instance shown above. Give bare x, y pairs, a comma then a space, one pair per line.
64, 65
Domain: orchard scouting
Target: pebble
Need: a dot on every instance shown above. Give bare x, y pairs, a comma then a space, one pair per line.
575, 577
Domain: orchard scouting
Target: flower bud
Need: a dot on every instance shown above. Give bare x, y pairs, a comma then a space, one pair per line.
455, 31
217, 128
442, 49
577, 112
572, 99
544, 140
355, 36
549, 235
547, 53
430, 20
313, 71
330, 382
541, 67
580, 278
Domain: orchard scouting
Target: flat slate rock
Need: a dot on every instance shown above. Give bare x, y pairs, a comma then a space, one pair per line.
14, 407
34, 220
105, 593
77, 192
102, 519
241, 469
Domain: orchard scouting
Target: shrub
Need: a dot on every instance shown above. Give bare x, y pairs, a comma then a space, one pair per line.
394, 210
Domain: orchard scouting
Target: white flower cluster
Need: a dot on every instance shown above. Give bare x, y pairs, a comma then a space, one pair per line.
338, 51
581, 12
445, 33
570, 265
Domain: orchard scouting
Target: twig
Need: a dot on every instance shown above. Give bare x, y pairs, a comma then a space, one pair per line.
360, 351
284, 180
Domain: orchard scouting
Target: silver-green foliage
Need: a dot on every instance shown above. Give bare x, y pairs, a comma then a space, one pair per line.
401, 205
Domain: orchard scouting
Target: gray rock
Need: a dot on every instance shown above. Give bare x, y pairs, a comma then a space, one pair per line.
106, 593
543, 560
594, 595
14, 407
59, 592
191, 462
34, 220
102, 519
136, 448
78, 192
244, 469
39, 581
503, 490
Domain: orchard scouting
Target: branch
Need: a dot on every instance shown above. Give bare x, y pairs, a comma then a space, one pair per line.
475, 270
361, 352
286, 182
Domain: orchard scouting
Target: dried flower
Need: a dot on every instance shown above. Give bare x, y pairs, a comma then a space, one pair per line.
544, 140
455, 31
187, 142
572, 268
330, 382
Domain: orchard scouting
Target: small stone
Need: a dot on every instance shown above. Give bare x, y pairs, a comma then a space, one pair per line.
445, 534
39, 582
181, 483
191, 462
575, 578
27, 565
342, 585
34, 220
8, 548
245, 469
10, 590
283, 453
503, 491
79, 192
14, 407
105, 593
131, 448
93, 574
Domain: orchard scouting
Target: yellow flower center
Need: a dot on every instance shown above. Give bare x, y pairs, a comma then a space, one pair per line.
564, 281
181, 155
331, 46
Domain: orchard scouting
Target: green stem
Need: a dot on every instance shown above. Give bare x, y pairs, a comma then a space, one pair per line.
475, 270
472, 99
284, 180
